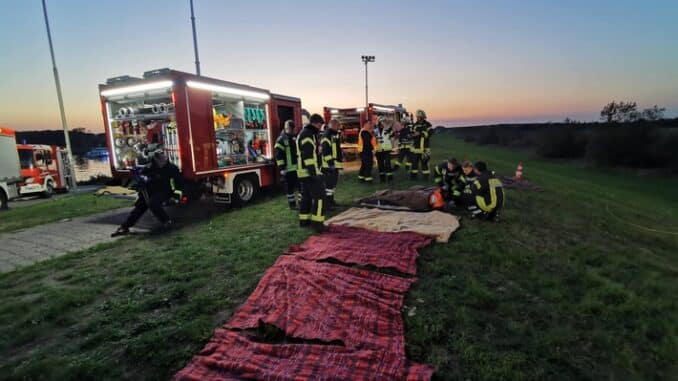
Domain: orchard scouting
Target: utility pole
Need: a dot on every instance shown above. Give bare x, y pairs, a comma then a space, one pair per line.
195, 42
366, 60
64, 124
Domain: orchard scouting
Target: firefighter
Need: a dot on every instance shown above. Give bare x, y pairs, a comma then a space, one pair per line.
286, 159
447, 177
404, 145
485, 197
420, 153
467, 176
158, 182
311, 209
384, 136
367, 144
332, 160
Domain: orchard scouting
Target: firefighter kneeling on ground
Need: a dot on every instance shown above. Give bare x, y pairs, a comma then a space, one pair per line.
485, 197
384, 134
311, 209
367, 144
158, 182
286, 159
446, 176
332, 160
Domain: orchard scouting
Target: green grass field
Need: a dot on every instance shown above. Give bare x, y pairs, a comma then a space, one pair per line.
561, 289
57, 209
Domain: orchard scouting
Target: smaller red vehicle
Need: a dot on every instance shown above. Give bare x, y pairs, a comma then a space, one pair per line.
44, 169
352, 119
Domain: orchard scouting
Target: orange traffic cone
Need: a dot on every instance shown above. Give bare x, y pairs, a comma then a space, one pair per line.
519, 171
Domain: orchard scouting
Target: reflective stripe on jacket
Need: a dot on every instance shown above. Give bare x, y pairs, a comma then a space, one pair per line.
307, 151
331, 149
286, 152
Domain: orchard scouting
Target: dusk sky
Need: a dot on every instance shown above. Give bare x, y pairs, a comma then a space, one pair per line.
463, 62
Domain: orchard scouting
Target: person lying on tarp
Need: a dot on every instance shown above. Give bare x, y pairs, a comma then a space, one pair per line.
485, 197
157, 183
417, 198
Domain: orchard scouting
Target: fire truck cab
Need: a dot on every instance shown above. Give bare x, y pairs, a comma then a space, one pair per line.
44, 169
219, 134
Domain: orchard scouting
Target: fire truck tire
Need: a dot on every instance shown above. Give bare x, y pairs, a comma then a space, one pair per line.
49, 190
3, 200
245, 188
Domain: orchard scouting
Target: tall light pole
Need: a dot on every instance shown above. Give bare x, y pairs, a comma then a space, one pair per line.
195, 42
366, 60
60, 98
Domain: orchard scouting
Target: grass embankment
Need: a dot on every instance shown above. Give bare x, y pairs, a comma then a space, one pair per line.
559, 289
56, 209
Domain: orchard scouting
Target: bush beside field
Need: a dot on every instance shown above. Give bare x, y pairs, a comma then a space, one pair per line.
635, 145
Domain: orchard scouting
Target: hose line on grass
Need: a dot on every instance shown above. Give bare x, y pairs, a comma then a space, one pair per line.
607, 208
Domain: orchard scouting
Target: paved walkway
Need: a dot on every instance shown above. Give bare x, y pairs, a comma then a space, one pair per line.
25, 247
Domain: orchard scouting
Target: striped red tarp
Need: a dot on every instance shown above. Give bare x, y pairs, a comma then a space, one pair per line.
310, 300
234, 356
364, 247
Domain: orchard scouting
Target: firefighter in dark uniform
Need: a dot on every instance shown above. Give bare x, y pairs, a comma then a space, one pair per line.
158, 182
332, 160
286, 159
446, 176
367, 144
311, 208
420, 153
404, 145
467, 176
485, 197
384, 135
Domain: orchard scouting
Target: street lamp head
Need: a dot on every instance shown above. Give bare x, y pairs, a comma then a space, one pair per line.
367, 58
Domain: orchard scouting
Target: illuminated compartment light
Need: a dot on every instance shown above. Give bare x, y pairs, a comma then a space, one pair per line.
227, 90
335, 111
360, 109
138, 88
383, 108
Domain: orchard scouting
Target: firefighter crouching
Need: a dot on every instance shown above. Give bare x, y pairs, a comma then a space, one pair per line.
286, 159
158, 182
420, 153
446, 176
384, 134
311, 208
332, 160
367, 144
404, 145
485, 197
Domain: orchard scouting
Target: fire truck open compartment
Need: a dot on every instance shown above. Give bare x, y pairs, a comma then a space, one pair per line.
213, 130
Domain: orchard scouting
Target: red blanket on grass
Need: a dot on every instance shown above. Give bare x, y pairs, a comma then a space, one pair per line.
327, 302
364, 247
233, 356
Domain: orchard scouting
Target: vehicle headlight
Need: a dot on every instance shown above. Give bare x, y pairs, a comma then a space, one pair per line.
30, 180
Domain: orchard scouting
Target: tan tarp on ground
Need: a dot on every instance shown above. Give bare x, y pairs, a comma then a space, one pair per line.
437, 224
115, 191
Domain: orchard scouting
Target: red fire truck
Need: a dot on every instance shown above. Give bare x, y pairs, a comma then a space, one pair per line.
220, 134
351, 119
44, 169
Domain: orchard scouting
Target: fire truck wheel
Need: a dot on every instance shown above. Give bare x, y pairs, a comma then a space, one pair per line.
244, 189
3, 200
49, 190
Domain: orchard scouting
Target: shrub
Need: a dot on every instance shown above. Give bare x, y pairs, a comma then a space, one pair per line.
633, 146
560, 142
